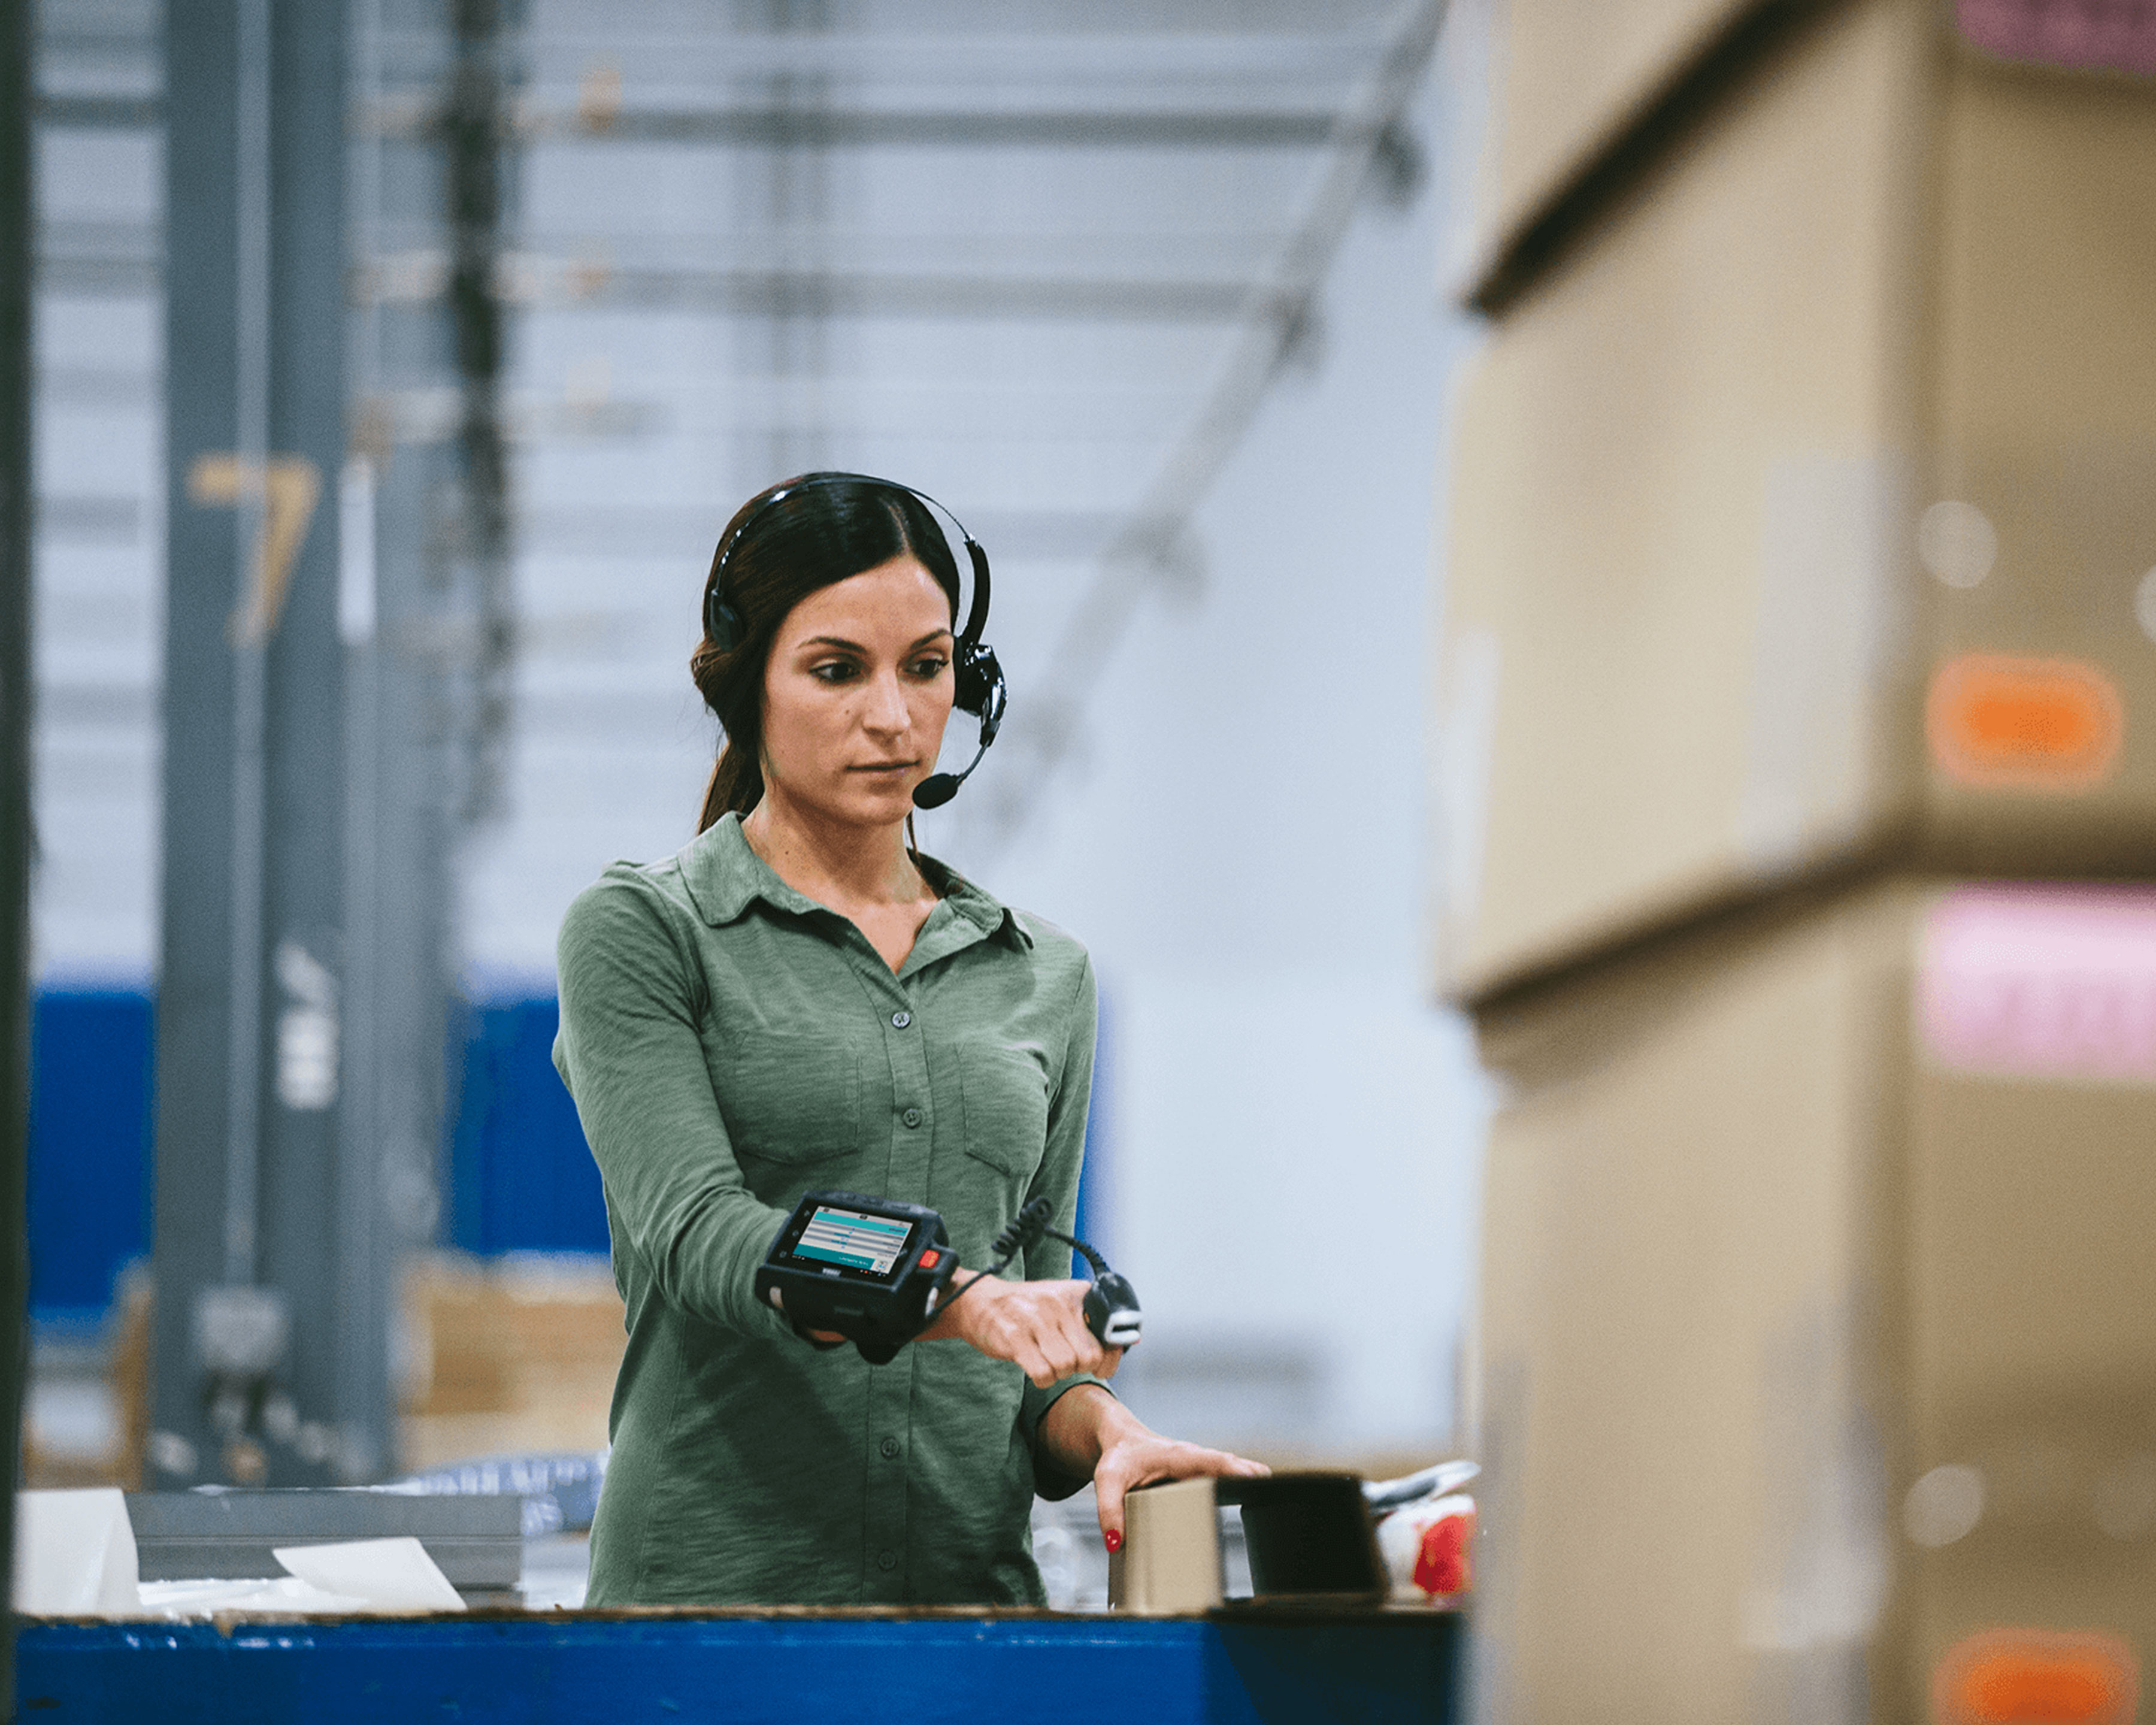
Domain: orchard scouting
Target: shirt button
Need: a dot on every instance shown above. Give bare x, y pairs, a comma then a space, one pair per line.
886, 1560
900, 1020
912, 1117
890, 1448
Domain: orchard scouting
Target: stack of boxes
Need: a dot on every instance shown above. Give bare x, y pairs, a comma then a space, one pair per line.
1797, 688
516, 1355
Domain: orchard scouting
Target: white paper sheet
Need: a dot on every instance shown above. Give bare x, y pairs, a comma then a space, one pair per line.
283, 1595
74, 1555
390, 1575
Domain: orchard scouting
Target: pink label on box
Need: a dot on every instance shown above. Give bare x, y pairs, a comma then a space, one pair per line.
2120, 34
2042, 982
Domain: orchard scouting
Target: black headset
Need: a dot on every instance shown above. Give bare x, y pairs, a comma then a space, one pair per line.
977, 685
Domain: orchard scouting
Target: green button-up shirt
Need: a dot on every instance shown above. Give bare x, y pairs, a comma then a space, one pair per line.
731, 1044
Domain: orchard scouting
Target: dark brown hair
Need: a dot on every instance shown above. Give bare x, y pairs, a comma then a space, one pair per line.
828, 528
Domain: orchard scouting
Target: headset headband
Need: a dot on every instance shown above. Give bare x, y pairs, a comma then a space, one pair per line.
722, 620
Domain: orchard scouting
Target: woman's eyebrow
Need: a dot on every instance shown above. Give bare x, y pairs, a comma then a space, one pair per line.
840, 641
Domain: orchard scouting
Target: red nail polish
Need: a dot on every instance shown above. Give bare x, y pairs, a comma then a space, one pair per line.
1114, 1539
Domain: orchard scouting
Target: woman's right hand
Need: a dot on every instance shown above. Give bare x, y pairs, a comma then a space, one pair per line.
1039, 1326
830, 1337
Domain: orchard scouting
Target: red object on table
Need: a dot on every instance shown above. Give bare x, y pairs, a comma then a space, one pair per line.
1441, 1565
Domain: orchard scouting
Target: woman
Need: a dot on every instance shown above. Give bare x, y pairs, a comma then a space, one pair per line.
799, 1001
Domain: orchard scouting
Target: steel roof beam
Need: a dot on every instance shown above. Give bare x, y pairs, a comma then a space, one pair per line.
559, 284
783, 128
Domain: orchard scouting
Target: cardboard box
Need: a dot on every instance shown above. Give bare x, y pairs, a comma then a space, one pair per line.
1581, 94
1568, 80
1806, 517
508, 1356
1818, 1324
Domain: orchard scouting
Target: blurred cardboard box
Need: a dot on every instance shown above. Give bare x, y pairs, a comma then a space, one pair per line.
1803, 518
1568, 79
1579, 96
1818, 1321
508, 1356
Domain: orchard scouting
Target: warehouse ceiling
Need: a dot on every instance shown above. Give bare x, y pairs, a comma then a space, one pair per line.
1041, 261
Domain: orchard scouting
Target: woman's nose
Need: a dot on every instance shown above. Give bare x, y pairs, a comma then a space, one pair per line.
886, 710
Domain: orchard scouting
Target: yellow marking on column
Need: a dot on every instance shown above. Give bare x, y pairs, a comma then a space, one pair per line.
287, 486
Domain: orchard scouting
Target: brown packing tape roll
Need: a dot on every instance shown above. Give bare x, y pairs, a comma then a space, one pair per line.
1170, 1563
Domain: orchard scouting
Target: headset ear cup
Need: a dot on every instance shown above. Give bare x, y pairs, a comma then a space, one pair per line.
722, 623
974, 675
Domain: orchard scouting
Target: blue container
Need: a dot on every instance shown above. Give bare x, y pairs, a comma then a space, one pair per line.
521, 1178
92, 1059
1372, 1669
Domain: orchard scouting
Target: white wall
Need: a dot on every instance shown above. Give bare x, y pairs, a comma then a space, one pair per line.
1292, 1131
98, 567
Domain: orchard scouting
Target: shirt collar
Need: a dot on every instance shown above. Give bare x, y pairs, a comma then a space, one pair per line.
725, 875
985, 912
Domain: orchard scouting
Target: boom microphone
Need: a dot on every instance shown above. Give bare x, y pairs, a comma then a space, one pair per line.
978, 668
938, 788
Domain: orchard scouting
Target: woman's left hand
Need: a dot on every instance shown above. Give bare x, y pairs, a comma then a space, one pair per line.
1088, 1429
1144, 1458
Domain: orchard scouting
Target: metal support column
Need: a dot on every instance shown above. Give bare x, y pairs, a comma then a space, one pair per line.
476, 125
428, 627
256, 1376
17, 252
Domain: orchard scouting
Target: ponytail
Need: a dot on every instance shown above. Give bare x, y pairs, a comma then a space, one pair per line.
735, 787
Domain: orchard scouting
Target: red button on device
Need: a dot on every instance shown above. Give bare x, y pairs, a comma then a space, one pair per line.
931, 1258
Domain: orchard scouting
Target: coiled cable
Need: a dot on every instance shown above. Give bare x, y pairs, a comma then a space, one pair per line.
1028, 1227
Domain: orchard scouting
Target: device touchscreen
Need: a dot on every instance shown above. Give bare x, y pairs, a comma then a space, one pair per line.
867, 1246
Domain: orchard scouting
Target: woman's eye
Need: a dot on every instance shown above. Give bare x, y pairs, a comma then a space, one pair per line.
836, 671
929, 666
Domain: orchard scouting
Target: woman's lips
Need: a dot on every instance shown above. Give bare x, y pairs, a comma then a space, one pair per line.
883, 767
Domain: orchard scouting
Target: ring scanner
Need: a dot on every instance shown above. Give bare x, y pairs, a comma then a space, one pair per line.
877, 1270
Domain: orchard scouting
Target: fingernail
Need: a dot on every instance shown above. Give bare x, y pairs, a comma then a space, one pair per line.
1114, 1539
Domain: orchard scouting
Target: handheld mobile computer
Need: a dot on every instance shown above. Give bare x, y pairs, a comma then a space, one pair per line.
872, 1269
876, 1269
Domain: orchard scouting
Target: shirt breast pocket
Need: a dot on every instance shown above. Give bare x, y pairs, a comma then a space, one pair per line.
791, 1103
1004, 1091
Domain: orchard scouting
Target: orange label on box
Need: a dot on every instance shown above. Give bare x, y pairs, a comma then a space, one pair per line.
2025, 724
2020, 1676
